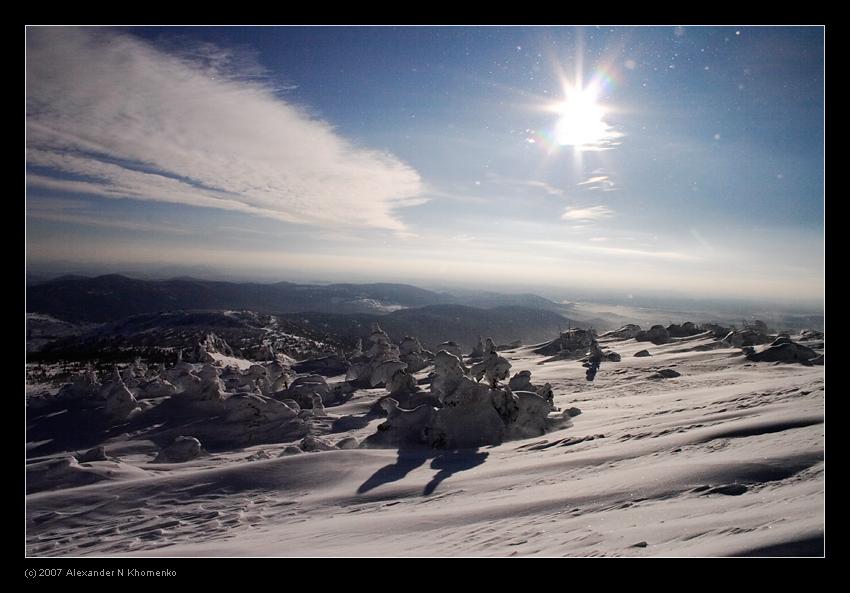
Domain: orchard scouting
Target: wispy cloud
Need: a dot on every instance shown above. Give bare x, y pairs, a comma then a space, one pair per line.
533, 184
81, 212
573, 246
590, 213
241, 230
592, 180
93, 220
111, 116
458, 197
542, 185
55, 204
598, 182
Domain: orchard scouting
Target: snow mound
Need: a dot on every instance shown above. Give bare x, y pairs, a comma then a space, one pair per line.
466, 413
657, 334
181, 450
575, 343
68, 472
784, 350
627, 332
665, 374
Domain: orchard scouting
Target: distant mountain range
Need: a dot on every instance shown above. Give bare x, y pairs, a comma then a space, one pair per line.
97, 315
113, 297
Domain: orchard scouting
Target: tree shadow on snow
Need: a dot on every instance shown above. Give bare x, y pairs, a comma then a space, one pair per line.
407, 461
447, 462
451, 462
348, 423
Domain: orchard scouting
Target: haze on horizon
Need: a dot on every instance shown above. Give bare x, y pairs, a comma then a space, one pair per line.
626, 159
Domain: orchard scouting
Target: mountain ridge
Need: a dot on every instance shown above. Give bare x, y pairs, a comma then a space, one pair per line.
111, 297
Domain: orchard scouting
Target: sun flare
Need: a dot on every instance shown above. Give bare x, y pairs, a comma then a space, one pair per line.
581, 120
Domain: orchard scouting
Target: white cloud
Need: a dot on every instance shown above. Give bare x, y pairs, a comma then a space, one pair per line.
598, 182
112, 116
592, 180
616, 251
590, 213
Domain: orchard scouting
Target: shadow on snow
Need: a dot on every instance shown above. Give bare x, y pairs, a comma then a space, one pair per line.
447, 462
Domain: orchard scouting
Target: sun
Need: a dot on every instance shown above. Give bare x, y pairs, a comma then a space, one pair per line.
581, 121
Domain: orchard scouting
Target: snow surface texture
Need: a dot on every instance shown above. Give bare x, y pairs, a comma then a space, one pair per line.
725, 457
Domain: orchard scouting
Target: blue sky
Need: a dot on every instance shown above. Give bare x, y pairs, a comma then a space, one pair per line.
629, 159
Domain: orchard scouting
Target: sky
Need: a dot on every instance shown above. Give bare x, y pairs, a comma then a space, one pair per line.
636, 160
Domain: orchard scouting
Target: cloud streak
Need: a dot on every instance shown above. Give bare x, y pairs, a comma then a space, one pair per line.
109, 115
616, 251
590, 213
598, 182
89, 220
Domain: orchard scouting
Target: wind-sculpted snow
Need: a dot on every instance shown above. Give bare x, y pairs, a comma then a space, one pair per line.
466, 412
181, 450
657, 334
383, 364
414, 355
630, 330
785, 350
573, 343
702, 449
166, 336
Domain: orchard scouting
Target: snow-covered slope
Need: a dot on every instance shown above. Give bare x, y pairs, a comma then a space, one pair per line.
725, 459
